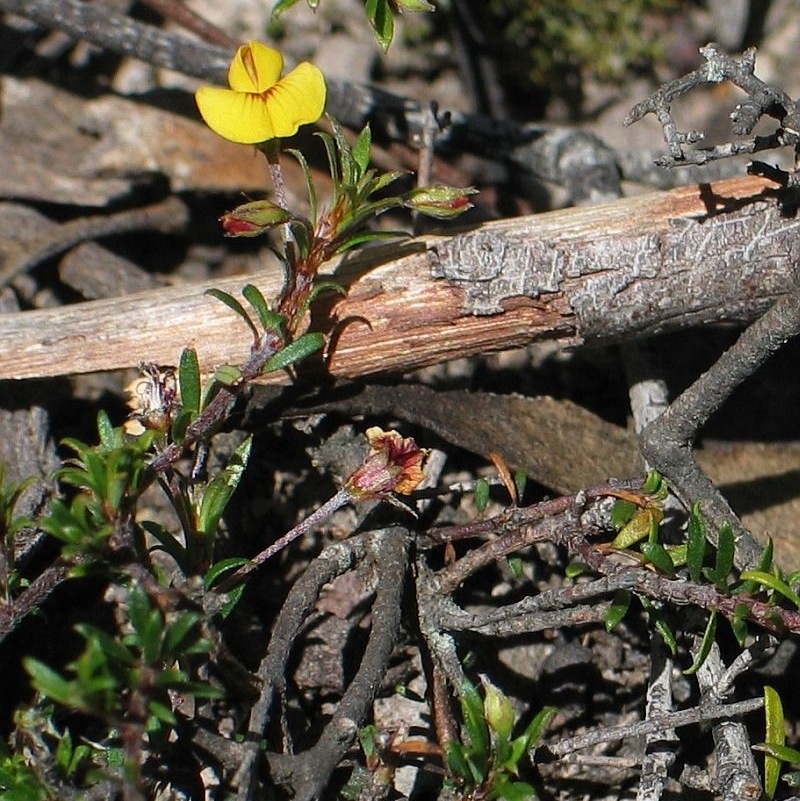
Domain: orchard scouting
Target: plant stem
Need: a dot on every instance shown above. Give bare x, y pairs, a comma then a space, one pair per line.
314, 519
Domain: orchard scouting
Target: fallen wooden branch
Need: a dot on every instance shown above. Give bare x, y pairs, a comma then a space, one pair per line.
615, 271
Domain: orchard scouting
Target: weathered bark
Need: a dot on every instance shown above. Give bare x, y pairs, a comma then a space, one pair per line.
610, 272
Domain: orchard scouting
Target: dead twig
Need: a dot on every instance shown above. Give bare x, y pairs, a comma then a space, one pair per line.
168, 216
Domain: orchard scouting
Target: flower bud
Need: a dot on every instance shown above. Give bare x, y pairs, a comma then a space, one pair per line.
254, 218
497, 709
442, 202
412, 5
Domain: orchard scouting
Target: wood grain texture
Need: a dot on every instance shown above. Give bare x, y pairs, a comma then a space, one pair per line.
631, 268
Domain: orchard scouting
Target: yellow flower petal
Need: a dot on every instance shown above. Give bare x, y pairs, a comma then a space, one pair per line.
255, 68
297, 99
237, 116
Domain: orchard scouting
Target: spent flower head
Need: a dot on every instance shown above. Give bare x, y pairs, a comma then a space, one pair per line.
394, 464
260, 104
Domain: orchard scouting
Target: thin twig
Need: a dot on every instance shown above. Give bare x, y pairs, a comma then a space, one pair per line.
660, 723
737, 773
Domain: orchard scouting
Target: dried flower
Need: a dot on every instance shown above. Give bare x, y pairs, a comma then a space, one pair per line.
154, 399
260, 105
394, 464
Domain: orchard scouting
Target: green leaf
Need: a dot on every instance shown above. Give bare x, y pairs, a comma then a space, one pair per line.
537, 727
477, 729
333, 166
725, 552
270, 320
660, 624
775, 735
481, 494
456, 762
349, 168
764, 565
46, 681
105, 643
310, 190
695, 543
379, 13
511, 791
782, 752
281, 6
295, 351
167, 542
233, 304
653, 483
773, 582
325, 286
220, 569
108, 437
368, 236
220, 489
635, 530
515, 566
705, 645
180, 636
189, 380
574, 569
657, 555
618, 609
228, 375
361, 150
520, 482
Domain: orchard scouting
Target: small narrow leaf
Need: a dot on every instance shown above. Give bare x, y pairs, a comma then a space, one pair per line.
520, 482
475, 724
725, 552
481, 494
782, 752
106, 431
234, 305
659, 557
660, 624
310, 190
705, 645
773, 582
456, 761
221, 488
295, 351
622, 512
380, 17
281, 6
652, 483
618, 609
189, 381
227, 375
695, 543
269, 319
361, 150
764, 566
537, 727
775, 735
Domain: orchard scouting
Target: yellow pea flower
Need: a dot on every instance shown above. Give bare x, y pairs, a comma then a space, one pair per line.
260, 105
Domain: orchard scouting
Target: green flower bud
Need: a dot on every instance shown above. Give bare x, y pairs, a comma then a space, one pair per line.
498, 709
442, 202
412, 5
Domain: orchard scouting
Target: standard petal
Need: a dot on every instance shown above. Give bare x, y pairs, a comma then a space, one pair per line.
255, 68
236, 116
297, 99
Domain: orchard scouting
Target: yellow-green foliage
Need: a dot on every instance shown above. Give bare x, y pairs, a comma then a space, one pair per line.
550, 46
